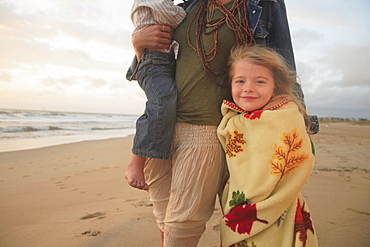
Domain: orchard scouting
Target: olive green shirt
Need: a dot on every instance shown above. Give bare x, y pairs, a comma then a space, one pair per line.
199, 97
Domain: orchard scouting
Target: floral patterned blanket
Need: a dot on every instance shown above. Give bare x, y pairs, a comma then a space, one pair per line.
269, 158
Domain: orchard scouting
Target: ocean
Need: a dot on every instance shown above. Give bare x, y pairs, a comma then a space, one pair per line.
26, 129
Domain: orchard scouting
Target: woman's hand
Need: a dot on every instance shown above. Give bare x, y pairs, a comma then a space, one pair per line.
157, 37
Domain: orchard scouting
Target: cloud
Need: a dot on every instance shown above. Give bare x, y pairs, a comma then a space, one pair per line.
304, 37
352, 63
85, 83
337, 102
23, 25
74, 55
329, 14
53, 38
67, 54
331, 41
6, 76
340, 65
338, 82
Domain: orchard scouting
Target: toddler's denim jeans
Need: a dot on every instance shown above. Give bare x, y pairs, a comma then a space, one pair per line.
154, 129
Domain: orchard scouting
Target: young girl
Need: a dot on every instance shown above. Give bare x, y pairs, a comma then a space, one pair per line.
268, 152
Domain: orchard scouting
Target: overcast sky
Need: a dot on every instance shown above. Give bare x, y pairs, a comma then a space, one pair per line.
69, 55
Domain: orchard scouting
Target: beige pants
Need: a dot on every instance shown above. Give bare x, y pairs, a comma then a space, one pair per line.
183, 188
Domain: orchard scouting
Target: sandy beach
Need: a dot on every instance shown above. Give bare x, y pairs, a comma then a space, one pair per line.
75, 194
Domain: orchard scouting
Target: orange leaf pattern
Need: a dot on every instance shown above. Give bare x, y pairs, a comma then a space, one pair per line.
285, 160
232, 146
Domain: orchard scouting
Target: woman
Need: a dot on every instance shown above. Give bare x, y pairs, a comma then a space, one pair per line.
183, 188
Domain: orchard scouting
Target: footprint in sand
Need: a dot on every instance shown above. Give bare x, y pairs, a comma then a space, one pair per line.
100, 215
347, 178
91, 233
143, 204
59, 183
130, 200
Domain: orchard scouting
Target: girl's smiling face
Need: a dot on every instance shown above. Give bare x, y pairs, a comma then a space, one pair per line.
252, 85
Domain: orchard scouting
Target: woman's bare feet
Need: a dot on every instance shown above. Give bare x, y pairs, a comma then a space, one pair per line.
135, 172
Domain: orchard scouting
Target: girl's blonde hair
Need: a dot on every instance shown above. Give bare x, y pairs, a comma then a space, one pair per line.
284, 78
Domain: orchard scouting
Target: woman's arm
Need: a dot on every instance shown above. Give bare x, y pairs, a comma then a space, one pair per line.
157, 37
